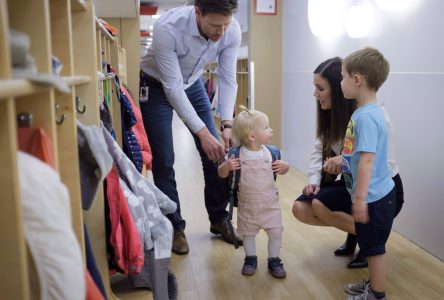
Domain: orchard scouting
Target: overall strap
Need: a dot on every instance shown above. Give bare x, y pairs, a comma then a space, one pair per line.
233, 185
275, 154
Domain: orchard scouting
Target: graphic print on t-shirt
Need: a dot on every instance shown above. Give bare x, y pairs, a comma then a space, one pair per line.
347, 151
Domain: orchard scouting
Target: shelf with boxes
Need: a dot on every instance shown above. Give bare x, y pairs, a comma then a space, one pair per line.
210, 75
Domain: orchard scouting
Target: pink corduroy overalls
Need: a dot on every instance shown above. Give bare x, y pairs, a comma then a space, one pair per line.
258, 206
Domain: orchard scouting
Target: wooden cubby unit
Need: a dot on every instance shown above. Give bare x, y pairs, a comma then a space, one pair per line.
67, 29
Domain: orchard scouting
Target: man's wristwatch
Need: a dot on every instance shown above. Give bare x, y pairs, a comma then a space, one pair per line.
222, 127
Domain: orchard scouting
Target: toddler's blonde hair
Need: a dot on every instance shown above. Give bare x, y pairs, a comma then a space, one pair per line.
245, 122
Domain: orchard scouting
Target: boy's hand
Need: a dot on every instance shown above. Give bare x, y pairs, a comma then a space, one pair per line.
280, 167
333, 165
360, 211
311, 189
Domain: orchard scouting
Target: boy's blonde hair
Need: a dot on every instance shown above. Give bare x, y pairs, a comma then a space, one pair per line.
370, 63
245, 122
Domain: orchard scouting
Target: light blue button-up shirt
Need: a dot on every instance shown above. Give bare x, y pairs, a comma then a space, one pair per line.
177, 58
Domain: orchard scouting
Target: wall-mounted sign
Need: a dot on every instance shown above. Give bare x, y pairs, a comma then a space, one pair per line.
265, 7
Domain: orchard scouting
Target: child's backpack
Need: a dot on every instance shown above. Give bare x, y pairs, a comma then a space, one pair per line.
233, 183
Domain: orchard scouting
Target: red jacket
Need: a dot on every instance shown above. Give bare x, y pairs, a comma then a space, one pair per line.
124, 237
36, 142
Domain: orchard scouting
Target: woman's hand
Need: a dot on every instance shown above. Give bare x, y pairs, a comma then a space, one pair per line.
280, 167
310, 189
333, 165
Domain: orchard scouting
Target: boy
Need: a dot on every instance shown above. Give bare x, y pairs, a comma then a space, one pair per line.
365, 168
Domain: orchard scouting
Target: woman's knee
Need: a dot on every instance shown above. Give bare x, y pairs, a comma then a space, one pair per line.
318, 207
302, 211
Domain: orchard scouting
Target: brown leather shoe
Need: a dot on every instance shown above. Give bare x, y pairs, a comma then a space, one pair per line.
222, 229
180, 244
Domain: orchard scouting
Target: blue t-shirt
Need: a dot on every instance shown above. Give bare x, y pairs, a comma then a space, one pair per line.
367, 132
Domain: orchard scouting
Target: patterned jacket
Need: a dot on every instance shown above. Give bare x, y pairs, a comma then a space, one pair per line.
157, 230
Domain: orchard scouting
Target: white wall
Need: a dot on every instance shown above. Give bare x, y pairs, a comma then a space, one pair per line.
413, 94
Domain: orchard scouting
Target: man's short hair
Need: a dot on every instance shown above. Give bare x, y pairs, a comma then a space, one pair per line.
370, 63
224, 7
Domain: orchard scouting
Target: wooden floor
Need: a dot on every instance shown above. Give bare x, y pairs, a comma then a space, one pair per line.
212, 269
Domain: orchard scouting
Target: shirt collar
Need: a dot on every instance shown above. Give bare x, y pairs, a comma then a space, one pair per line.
193, 23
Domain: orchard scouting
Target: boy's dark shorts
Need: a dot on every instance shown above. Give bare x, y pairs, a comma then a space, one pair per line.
373, 235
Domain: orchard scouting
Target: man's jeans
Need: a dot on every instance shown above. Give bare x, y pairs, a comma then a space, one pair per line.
157, 116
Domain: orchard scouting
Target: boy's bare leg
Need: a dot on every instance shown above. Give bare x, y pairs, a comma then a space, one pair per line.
376, 268
338, 219
303, 211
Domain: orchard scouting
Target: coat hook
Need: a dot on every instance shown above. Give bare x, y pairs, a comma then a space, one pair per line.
24, 119
77, 106
62, 119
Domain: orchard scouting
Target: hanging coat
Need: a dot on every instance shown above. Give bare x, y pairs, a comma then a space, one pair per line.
124, 237
139, 131
46, 213
156, 203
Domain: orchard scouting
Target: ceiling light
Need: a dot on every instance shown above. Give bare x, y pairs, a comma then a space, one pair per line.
396, 5
359, 21
326, 17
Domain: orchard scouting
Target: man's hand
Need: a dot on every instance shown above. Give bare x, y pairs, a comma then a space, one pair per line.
333, 165
280, 167
210, 145
226, 136
311, 189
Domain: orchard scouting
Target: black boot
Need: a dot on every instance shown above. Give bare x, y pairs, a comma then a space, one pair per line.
359, 262
348, 247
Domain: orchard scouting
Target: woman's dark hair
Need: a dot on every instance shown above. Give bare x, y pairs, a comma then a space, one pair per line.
332, 123
224, 7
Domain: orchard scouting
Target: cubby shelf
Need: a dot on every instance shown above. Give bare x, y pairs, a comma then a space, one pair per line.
20, 87
104, 31
69, 30
77, 80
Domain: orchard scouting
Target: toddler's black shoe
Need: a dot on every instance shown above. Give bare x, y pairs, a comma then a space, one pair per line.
250, 265
276, 268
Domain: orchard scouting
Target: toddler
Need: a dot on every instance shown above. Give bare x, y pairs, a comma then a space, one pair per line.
258, 197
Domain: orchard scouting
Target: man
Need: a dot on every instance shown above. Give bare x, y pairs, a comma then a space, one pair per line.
185, 40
